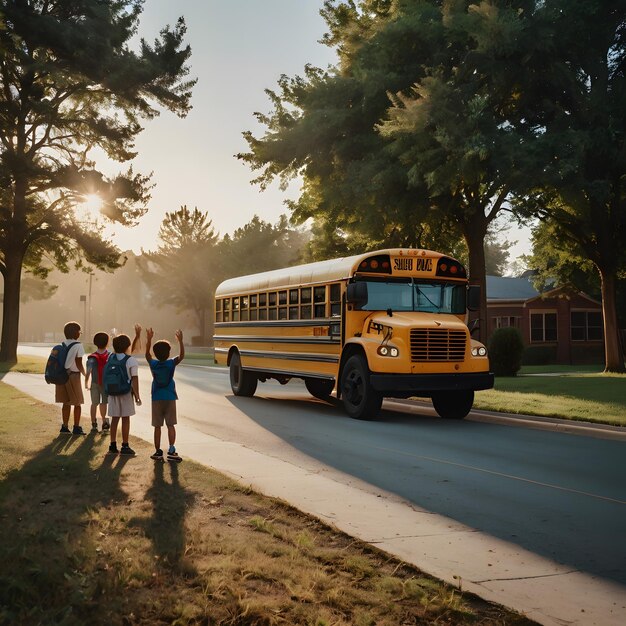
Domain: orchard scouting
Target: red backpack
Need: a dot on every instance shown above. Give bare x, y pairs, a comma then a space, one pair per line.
101, 360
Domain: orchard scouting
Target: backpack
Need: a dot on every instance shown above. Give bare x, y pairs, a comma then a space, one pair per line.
100, 359
55, 373
115, 377
162, 374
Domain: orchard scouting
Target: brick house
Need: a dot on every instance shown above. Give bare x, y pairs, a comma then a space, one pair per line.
558, 326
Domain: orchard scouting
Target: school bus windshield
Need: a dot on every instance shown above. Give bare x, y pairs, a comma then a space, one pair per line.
406, 294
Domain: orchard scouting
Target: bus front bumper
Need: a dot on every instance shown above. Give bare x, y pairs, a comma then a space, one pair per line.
403, 384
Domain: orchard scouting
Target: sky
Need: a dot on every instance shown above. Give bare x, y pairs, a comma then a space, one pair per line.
239, 49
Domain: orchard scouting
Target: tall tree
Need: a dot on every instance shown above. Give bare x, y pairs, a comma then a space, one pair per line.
71, 82
186, 267
442, 154
577, 116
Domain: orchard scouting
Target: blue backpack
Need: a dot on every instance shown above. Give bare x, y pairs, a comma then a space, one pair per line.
55, 373
115, 376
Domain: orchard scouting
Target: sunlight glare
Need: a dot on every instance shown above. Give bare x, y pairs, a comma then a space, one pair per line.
92, 204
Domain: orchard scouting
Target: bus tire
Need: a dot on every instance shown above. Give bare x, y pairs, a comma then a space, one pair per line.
320, 388
453, 404
360, 399
242, 382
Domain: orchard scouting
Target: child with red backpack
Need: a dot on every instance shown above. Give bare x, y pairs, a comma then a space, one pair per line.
95, 366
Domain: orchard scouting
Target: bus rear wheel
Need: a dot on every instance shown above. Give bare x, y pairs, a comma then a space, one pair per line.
242, 382
360, 399
453, 404
319, 387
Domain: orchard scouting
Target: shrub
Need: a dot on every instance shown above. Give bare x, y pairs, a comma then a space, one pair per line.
505, 351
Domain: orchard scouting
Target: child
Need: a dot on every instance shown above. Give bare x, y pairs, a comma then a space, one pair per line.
70, 394
122, 406
95, 366
164, 392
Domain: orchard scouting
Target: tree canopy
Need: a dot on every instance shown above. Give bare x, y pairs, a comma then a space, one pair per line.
407, 140
185, 269
71, 82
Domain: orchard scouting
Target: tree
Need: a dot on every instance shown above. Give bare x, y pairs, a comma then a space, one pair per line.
577, 118
439, 160
259, 246
185, 269
70, 83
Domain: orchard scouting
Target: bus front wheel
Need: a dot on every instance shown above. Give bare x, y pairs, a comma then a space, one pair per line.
453, 404
360, 399
242, 382
319, 387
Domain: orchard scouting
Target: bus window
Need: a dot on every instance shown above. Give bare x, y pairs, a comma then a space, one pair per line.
335, 300
282, 313
305, 312
293, 312
305, 295
282, 297
262, 299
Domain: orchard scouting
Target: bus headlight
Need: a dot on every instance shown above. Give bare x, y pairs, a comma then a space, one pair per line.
388, 351
481, 351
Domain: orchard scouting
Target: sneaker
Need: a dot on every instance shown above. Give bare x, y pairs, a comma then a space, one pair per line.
158, 455
65, 430
126, 449
94, 427
78, 430
113, 448
106, 425
173, 457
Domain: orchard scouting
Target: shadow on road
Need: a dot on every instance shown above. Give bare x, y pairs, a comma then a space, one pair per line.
557, 495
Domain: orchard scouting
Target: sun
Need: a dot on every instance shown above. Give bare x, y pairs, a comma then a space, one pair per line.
92, 204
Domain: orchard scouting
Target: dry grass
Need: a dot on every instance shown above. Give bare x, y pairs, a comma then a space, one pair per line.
93, 539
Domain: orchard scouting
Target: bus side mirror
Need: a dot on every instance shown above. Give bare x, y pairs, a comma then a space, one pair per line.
357, 294
473, 297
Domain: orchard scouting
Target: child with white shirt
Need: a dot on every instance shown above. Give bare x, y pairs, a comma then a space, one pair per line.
70, 394
122, 406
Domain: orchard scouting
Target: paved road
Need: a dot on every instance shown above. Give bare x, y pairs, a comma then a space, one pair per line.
559, 496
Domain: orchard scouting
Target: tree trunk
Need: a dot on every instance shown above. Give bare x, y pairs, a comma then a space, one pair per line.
474, 234
11, 307
613, 353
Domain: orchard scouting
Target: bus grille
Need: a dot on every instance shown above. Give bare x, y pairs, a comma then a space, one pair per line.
437, 344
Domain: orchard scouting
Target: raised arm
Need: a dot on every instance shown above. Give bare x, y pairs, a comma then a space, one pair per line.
137, 340
149, 336
181, 346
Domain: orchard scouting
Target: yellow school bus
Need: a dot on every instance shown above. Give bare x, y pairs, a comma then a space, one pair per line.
390, 323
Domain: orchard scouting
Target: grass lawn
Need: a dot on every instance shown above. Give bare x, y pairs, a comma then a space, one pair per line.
25, 363
570, 394
89, 538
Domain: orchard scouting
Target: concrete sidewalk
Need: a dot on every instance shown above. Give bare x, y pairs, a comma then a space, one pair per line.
496, 570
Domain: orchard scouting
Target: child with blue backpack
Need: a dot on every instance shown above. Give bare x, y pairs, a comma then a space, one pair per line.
94, 382
121, 384
164, 394
63, 369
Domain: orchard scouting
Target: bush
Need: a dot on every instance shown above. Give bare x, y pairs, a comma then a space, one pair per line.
505, 351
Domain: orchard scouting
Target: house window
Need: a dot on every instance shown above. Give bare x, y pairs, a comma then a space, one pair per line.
506, 321
586, 326
543, 327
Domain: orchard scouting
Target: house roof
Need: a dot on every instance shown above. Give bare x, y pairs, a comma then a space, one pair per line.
506, 288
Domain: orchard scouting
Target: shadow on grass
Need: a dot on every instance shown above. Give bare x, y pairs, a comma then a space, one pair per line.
166, 526
68, 545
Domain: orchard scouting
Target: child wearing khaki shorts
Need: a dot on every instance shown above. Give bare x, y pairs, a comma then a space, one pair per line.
164, 394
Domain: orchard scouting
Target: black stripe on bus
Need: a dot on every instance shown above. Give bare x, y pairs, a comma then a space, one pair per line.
289, 323
288, 356
323, 340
